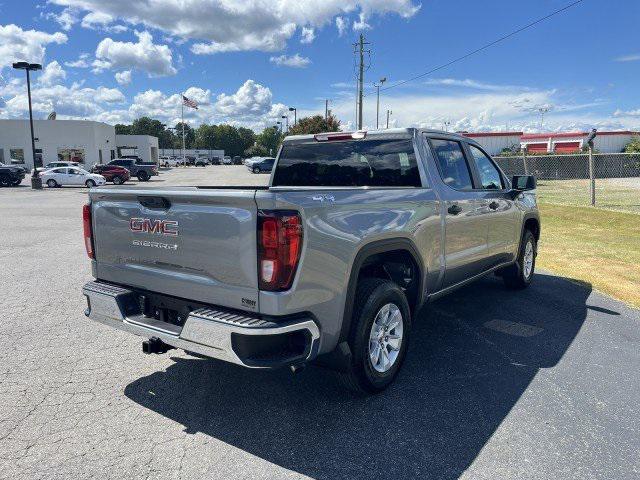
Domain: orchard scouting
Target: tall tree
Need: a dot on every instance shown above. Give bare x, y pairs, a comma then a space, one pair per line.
315, 124
270, 138
189, 136
229, 140
247, 137
206, 137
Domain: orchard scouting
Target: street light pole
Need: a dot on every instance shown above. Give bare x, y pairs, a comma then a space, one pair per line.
36, 181
389, 112
378, 85
295, 115
287, 119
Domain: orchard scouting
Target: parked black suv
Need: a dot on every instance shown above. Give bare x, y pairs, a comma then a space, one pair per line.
11, 175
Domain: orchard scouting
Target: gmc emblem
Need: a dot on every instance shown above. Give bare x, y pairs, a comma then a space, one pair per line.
160, 227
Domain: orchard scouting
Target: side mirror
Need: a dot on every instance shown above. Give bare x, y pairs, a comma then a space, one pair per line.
523, 183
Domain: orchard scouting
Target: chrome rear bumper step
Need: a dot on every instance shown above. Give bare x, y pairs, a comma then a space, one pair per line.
214, 332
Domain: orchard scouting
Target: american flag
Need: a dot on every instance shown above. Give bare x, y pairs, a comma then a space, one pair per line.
189, 103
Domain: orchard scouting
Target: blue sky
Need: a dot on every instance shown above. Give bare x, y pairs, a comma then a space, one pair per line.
246, 62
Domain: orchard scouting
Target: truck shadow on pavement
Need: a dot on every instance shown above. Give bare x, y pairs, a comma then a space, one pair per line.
473, 355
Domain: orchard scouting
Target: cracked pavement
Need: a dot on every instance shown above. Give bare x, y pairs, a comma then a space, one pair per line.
536, 384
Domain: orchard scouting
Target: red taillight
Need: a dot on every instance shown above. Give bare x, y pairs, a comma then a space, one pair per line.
279, 247
88, 230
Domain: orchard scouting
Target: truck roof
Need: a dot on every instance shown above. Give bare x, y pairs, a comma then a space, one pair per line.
384, 133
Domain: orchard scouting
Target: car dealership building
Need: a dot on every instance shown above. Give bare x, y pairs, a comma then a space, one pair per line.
83, 141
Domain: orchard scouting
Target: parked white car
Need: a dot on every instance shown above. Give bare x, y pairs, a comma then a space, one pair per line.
171, 161
57, 164
227, 160
58, 177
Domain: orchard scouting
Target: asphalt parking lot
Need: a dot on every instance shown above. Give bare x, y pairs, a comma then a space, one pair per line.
536, 384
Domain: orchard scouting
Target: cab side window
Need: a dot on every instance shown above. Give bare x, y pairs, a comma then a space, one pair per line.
490, 178
454, 169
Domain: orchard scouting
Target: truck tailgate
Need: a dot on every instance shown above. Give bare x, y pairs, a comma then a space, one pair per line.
198, 244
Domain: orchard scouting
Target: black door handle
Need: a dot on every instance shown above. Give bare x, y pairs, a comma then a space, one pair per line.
494, 205
454, 209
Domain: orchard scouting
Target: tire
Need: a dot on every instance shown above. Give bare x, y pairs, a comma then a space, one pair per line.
366, 374
90, 183
143, 176
5, 181
256, 170
16, 183
117, 180
51, 183
520, 274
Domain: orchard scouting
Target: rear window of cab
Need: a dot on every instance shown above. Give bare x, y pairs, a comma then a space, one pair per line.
355, 163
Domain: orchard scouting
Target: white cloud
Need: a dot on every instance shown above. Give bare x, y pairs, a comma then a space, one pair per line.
69, 102
308, 35
234, 25
67, 18
52, 74
341, 24
294, 61
154, 59
17, 44
81, 62
251, 99
628, 58
488, 109
627, 113
123, 78
473, 84
361, 23
101, 21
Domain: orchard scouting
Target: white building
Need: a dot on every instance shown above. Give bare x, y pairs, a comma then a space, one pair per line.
145, 146
82, 141
495, 142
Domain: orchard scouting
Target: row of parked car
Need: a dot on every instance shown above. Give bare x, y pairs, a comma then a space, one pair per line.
200, 161
61, 173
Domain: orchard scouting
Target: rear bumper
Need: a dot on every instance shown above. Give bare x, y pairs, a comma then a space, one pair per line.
217, 333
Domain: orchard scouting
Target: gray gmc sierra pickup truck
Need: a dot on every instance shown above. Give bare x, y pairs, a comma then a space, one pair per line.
330, 263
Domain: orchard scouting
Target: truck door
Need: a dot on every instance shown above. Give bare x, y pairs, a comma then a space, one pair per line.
465, 245
496, 206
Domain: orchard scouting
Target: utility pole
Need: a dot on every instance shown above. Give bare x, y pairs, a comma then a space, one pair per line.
361, 51
378, 85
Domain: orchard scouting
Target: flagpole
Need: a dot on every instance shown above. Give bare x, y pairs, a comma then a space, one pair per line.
182, 103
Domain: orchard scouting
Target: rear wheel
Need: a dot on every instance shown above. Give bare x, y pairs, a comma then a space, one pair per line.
117, 180
379, 337
51, 183
520, 274
143, 176
90, 183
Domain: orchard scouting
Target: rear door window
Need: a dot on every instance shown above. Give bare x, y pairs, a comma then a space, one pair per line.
452, 164
360, 163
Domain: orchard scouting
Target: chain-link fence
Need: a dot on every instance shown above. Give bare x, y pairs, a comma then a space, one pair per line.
565, 179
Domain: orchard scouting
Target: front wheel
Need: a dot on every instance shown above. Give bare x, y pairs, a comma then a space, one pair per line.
16, 183
90, 183
117, 180
520, 274
5, 181
256, 170
379, 337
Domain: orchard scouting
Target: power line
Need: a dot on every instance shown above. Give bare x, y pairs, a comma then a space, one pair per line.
484, 47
